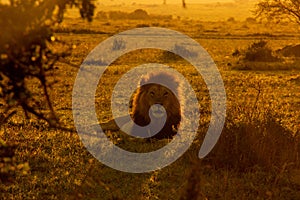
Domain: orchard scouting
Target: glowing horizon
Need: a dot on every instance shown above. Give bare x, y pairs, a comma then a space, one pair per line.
161, 1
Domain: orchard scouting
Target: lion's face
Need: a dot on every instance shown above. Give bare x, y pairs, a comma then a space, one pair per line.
156, 100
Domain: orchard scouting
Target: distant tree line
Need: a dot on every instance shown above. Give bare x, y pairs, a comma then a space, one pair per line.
138, 14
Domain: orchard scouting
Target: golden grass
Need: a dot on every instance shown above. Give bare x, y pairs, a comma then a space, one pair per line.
256, 157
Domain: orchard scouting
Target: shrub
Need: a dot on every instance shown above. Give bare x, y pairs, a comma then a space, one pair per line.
254, 136
178, 50
258, 56
27, 54
118, 44
102, 15
255, 154
251, 20
260, 52
231, 19
290, 51
139, 14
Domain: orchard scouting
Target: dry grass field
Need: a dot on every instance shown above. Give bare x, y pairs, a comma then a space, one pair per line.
257, 156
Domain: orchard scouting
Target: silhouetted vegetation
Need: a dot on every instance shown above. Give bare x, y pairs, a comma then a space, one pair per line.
138, 14
259, 56
259, 51
27, 53
278, 10
27, 56
290, 51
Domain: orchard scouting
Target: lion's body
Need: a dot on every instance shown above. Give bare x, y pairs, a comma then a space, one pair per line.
150, 93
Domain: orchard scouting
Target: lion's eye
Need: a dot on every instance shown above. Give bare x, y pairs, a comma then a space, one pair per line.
152, 94
166, 94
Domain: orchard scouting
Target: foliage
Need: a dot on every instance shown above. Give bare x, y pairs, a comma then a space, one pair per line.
278, 10
27, 53
255, 149
250, 20
290, 51
259, 51
138, 14
255, 134
259, 56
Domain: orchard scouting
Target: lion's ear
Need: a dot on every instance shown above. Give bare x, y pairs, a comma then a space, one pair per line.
143, 80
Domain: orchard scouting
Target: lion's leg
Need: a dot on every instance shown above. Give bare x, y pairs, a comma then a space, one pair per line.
112, 125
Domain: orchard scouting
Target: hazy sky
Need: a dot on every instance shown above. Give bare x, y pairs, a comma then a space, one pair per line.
156, 1
159, 1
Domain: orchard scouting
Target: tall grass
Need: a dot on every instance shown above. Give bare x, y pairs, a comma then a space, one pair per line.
255, 157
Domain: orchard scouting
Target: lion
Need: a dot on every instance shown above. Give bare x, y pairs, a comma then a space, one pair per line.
156, 100
152, 101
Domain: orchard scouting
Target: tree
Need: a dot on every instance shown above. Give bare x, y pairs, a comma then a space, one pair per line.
26, 53
183, 3
27, 56
278, 10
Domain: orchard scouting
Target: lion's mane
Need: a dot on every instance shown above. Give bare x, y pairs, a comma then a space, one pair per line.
150, 93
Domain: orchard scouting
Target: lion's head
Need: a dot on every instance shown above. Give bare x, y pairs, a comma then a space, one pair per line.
157, 100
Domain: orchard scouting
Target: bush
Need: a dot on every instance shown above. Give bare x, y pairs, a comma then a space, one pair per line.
254, 136
257, 155
251, 20
258, 56
260, 52
231, 19
27, 54
178, 50
139, 14
290, 51
102, 15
